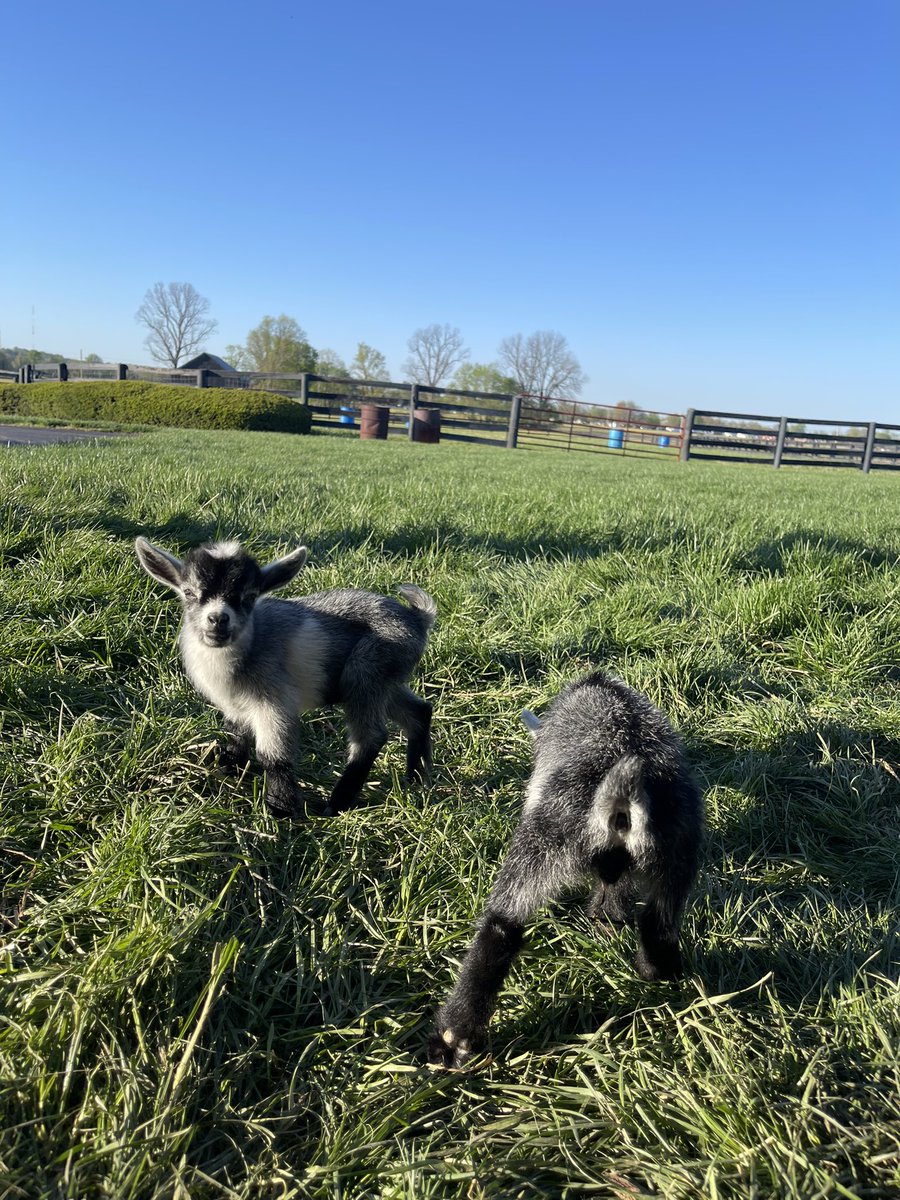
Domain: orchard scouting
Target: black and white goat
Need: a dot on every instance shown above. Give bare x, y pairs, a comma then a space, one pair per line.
610, 796
262, 661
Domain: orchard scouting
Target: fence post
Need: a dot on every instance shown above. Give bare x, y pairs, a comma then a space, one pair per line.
512, 429
62, 372
869, 449
122, 371
779, 442
304, 389
687, 432
202, 377
413, 405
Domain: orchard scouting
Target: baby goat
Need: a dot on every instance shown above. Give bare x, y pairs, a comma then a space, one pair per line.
610, 796
262, 661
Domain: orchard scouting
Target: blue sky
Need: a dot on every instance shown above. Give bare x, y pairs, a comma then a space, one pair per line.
704, 198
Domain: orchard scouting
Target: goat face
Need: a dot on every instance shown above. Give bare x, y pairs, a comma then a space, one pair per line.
219, 585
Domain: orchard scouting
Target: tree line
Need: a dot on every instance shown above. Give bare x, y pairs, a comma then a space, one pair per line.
178, 324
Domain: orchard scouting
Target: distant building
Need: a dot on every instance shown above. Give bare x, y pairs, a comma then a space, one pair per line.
208, 362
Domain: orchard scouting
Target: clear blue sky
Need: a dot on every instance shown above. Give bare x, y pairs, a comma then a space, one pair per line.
703, 197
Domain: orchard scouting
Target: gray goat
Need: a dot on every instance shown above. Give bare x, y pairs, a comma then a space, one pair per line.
610, 796
262, 661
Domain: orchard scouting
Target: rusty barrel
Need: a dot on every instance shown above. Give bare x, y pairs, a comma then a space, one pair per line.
373, 421
426, 425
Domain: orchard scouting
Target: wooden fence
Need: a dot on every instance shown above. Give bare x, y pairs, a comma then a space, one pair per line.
447, 414
790, 441
422, 412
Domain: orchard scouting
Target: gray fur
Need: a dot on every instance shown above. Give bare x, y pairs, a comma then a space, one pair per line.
262, 660
611, 797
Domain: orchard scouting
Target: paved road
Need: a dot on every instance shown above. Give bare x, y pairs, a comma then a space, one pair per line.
26, 435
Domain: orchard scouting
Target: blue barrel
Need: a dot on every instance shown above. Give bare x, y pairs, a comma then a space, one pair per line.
346, 415
616, 439
664, 439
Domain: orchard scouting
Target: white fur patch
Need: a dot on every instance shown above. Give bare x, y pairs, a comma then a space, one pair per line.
223, 549
213, 672
535, 788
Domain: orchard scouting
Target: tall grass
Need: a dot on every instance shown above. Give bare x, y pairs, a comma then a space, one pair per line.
198, 1001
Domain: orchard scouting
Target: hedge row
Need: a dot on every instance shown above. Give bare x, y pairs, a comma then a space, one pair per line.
131, 402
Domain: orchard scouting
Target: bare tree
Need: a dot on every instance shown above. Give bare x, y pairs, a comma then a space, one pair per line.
176, 316
542, 365
435, 353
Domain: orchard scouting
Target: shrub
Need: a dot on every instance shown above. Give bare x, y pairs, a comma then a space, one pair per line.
131, 402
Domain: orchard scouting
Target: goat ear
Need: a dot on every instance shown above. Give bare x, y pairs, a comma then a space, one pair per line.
159, 563
282, 570
530, 721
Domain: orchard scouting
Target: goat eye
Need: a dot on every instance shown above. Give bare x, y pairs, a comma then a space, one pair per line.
189, 593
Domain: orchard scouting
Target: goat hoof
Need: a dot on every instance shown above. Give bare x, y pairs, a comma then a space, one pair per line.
419, 777
232, 764
659, 972
282, 814
284, 807
448, 1052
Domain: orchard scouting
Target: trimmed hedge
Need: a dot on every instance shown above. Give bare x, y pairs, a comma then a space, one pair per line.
131, 402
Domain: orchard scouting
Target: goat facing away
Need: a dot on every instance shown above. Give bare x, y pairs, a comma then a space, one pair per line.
610, 796
262, 661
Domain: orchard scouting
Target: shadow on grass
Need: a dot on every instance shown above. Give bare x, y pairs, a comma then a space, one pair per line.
771, 557
187, 528
826, 797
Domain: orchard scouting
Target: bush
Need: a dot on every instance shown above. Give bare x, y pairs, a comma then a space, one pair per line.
131, 402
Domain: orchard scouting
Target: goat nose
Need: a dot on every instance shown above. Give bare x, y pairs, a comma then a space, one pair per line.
218, 620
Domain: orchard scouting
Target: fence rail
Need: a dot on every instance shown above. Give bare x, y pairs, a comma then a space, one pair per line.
790, 441
528, 422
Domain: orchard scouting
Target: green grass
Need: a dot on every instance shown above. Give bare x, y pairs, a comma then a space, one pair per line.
198, 1001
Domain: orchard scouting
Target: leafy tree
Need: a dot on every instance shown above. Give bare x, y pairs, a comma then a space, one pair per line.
238, 357
331, 363
542, 365
93, 358
483, 377
14, 357
278, 345
435, 352
175, 316
368, 363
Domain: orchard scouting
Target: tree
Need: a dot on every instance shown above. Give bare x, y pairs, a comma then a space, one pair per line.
542, 365
176, 316
483, 377
92, 358
238, 357
367, 362
435, 352
278, 345
329, 362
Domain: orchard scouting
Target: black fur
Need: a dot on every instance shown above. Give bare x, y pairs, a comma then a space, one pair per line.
610, 796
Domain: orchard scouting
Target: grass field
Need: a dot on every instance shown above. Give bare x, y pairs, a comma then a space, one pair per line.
199, 1001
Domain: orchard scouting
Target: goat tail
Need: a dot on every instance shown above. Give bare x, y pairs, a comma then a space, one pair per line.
418, 599
620, 802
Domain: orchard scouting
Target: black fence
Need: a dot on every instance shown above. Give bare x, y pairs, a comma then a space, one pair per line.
373, 408
790, 441
421, 412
